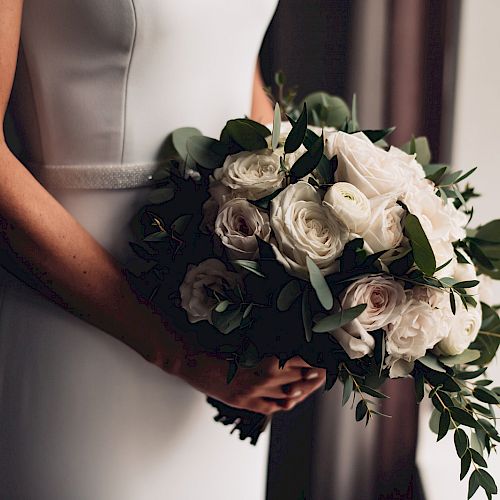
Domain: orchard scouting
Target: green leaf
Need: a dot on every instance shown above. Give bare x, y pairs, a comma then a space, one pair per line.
308, 161
181, 223
462, 417
473, 484
372, 392
319, 284
419, 146
432, 363
228, 320
306, 315
437, 175
264, 201
288, 294
249, 265
231, 371
222, 306
162, 195
466, 284
453, 303
247, 311
361, 410
158, 236
298, 132
470, 375
207, 152
461, 442
337, 320
422, 250
486, 396
248, 134
434, 421
487, 482
347, 390
465, 463
331, 111
478, 459
487, 344
180, 139
419, 385
464, 176
444, 425
276, 126
377, 135
489, 232
460, 359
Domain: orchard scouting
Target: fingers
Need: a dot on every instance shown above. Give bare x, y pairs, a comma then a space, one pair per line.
293, 390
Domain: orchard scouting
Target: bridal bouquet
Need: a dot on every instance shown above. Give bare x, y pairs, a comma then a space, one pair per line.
315, 238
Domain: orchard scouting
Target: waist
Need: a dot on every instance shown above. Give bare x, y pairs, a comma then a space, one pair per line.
96, 176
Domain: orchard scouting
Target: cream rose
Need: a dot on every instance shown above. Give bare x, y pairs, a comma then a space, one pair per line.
384, 230
349, 205
372, 170
384, 298
418, 327
304, 227
219, 194
238, 225
251, 174
211, 274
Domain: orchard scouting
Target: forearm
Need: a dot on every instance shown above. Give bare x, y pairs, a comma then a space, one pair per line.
72, 267
262, 109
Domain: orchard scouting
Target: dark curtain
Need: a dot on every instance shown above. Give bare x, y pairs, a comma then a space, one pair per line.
319, 46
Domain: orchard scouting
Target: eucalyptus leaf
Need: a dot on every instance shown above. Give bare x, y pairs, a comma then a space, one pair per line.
319, 284
180, 139
486, 396
473, 484
347, 390
461, 442
162, 195
248, 134
432, 363
288, 294
361, 410
207, 152
158, 236
465, 464
489, 232
249, 265
337, 320
332, 111
306, 315
228, 320
465, 357
181, 223
444, 425
308, 161
420, 147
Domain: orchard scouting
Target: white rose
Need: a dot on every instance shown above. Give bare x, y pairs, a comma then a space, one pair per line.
464, 330
219, 194
418, 327
349, 205
238, 225
372, 170
251, 174
384, 230
211, 274
304, 227
444, 252
440, 221
384, 298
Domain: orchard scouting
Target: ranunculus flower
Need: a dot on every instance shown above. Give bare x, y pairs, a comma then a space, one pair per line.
384, 230
371, 169
304, 227
349, 205
251, 174
384, 298
211, 274
420, 325
238, 225
464, 330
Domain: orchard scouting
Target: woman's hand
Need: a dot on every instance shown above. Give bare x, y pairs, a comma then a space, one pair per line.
264, 389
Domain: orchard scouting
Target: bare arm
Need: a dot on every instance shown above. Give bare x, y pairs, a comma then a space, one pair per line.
262, 109
73, 270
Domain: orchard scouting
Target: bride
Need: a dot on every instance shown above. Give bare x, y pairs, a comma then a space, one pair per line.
99, 398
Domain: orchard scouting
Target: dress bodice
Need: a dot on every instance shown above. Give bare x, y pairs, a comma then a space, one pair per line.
104, 81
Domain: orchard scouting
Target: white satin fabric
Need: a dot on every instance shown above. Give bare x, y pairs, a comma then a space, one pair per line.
98, 87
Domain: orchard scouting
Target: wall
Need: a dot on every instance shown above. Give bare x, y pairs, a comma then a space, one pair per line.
475, 142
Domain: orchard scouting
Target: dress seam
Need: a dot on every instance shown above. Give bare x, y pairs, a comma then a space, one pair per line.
127, 75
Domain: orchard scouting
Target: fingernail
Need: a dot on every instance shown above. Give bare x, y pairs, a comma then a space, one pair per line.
296, 394
312, 375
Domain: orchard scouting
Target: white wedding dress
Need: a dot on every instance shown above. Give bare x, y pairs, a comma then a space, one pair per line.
99, 85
